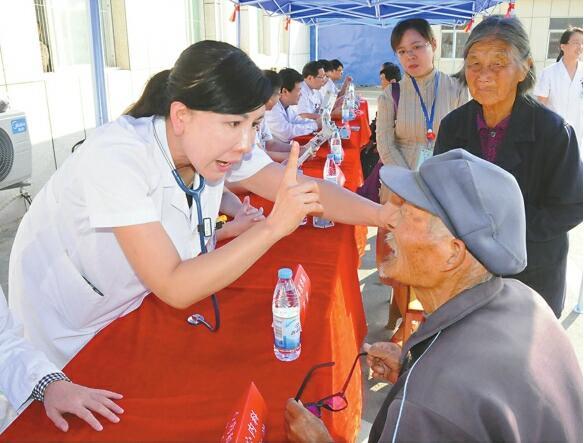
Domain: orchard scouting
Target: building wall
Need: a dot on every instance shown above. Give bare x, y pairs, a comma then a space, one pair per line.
60, 105
268, 43
535, 16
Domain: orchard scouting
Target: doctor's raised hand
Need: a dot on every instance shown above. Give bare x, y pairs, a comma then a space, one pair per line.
294, 200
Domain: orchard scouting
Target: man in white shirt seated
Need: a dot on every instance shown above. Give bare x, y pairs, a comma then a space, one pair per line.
336, 74
329, 84
26, 374
310, 101
283, 121
276, 149
333, 75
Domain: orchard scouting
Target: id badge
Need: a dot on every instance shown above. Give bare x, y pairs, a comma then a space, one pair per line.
426, 152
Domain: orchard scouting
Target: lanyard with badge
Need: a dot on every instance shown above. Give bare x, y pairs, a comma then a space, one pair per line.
204, 228
427, 150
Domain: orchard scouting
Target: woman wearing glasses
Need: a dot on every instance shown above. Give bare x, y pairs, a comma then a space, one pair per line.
559, 86
409, 114
505, 125
114, 224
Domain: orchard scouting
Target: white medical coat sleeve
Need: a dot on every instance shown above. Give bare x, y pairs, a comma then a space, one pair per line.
284, 126
252, 163
118, 185
265, 132
543, 85
21, 365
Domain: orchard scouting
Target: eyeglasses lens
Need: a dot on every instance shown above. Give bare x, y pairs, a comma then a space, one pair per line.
314, 409
335, 403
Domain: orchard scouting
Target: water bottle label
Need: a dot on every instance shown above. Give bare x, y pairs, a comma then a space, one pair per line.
338, 155
344, 133
287, 332
322, 223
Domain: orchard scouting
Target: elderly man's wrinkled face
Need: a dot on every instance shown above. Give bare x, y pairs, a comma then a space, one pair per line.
493, 72
419, 243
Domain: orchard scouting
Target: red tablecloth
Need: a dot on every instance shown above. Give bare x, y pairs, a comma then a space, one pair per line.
181, 383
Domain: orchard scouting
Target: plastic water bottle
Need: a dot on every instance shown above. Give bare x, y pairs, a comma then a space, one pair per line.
330, 173
351, 98
345, 111
305, 219
337, 147
286, 317
328, 101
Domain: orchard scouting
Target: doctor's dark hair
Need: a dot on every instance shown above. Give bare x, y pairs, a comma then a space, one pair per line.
290, 77
417, 24
326, 65
336, 64
274, 79
311, 68
565, 38
208, 76
391, 72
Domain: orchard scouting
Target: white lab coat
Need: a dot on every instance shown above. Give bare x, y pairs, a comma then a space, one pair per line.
21, 366
263, 135
564, 94
118, 177
285, 124
310, 100
328, 86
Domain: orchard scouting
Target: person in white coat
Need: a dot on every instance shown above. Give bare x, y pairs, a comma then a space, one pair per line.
333, 70
113, 224
26, 374
282, 119
560, 86
310, 102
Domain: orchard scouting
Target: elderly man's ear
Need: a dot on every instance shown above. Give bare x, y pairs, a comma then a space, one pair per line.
456, 254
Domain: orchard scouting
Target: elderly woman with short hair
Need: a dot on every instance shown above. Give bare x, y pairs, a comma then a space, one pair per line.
508, 127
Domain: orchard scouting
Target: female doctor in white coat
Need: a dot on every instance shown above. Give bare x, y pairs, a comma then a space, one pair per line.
113, 223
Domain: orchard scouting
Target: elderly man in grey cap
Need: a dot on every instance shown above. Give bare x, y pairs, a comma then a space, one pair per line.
491, 362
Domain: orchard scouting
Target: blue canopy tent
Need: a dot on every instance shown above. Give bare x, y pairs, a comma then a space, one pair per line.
380, 13
357, 31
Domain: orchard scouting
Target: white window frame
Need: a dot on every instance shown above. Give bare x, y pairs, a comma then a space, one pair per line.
454, 31
570, 21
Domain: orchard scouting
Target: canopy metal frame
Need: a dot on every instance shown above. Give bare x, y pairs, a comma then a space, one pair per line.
379, 13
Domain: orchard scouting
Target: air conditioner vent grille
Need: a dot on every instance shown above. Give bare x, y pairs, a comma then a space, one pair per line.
6, 154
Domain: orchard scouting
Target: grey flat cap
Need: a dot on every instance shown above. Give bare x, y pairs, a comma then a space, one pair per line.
479, 202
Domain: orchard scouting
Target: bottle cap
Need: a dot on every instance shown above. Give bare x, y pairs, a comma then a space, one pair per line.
284, 273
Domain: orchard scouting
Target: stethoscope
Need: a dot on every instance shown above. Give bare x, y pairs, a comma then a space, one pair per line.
204, 228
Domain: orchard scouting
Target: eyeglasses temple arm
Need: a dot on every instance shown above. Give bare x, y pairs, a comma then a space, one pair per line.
309, 375
361, 354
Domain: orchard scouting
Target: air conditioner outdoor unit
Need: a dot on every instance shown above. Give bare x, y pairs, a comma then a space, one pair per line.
15, 150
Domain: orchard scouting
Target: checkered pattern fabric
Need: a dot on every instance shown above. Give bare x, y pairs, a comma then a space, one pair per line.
38, 393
